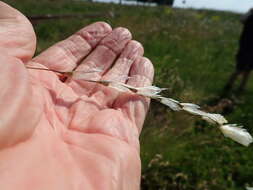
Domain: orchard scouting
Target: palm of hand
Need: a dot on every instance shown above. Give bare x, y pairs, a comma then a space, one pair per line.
72, 135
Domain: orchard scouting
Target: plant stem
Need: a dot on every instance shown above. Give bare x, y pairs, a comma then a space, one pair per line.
55, 71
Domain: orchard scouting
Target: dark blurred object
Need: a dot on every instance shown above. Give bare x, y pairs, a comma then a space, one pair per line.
224, 106
245, 17
38, 18
244, 57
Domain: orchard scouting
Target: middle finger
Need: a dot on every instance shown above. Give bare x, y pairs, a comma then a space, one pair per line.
101, 58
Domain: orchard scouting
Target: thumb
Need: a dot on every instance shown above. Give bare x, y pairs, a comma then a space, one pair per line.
17, 37
19, 111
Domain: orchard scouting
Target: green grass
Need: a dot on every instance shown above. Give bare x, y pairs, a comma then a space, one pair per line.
193, 54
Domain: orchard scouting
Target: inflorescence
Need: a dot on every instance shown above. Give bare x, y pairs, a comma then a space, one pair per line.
232, 131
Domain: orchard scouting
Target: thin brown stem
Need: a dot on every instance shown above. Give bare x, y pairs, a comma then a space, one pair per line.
44, 69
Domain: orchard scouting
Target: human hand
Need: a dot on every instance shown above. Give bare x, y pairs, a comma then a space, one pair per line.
74, 134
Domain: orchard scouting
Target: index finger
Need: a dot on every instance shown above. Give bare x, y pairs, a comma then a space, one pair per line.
67, 54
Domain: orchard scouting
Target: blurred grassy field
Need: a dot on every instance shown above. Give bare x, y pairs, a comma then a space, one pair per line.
193, 54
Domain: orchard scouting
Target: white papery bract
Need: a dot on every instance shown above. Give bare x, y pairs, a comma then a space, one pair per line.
149, 91
249, 188
190, 105
80, 76
210, 117
214, 118
119, 86
237, 133
171, 103
192, 108
96, 70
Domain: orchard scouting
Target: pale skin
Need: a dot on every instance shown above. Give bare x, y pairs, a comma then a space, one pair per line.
72, 135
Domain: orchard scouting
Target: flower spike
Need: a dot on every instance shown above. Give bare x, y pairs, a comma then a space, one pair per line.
234, 132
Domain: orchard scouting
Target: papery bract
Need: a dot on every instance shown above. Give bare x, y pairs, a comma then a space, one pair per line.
236, 133
190, 105
171, 103
192, 108
150, 91
119, 86
214, 118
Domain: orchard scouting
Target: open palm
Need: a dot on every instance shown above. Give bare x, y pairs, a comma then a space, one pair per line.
69, 135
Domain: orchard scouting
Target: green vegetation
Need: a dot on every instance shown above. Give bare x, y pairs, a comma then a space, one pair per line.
193, 54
